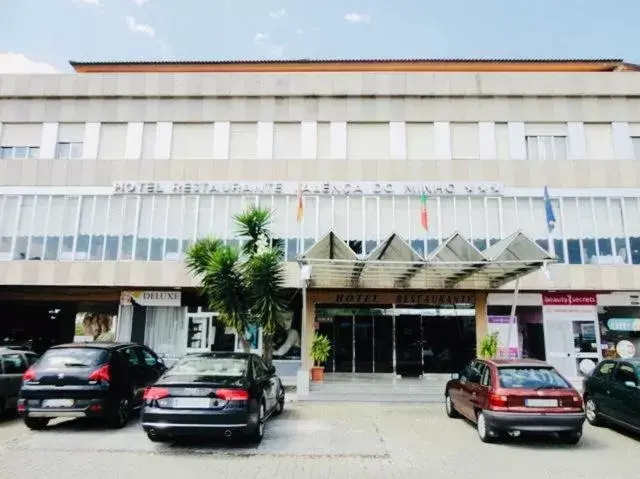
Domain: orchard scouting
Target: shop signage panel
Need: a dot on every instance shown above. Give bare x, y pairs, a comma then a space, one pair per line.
623, 324
152, 298
569, 299
322, 188
400, 299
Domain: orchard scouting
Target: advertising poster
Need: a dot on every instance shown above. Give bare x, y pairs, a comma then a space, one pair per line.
502, 325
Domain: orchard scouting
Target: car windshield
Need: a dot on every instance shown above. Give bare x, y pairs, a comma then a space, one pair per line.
531, 378
73, 357
210, 366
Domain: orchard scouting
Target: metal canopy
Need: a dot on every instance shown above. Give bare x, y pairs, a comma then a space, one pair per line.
515, 256
455, 264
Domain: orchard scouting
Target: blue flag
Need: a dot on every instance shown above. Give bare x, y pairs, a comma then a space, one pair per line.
548, 209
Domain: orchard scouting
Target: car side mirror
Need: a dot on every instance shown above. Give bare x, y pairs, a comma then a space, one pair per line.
272, 370
455, 376
630, 384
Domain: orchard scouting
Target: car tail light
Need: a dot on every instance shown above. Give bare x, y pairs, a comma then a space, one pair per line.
29, 375
577, 401
101, 375
153, 394
497, 401
233, 394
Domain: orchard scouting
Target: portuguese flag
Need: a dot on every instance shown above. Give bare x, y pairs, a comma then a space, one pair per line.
424, 214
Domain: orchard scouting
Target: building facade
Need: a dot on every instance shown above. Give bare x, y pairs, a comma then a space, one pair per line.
108, 175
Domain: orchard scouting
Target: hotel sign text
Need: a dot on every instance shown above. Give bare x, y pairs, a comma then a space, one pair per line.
344, 188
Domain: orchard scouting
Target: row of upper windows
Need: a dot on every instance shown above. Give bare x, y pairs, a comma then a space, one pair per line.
325, 140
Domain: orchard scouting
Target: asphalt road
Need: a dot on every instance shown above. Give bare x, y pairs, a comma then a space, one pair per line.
314, 440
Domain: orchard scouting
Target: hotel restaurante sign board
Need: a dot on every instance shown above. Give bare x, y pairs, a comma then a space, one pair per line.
328, 188
400, 299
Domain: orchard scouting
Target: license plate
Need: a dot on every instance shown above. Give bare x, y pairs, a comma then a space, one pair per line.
57, 403
541, 402
192, 403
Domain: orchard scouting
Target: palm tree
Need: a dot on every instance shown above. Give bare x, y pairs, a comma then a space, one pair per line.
245, 286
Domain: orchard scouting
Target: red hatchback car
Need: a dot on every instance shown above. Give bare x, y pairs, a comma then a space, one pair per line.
513, 396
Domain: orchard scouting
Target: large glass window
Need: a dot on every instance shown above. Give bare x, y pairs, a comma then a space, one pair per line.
99, 229
356, 232
295, 228
571, 229
144, 229
69, 227
39, 227
114, 228
174, 226
205, 215
278, 226
616, 229
129, 221
54, 228
189, 223
24, 227
9, 214
463, 216
602, 230
632, 224
84, 228
588, 231
478, 223
158, 227
371, 225
309, 222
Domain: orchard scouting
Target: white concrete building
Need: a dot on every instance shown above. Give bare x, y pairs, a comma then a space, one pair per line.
107, 175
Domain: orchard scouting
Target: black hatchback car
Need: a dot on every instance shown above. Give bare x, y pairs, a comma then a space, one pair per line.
612, 394
93, 380
208, 393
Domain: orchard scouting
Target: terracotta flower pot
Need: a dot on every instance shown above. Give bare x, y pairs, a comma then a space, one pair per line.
317, 374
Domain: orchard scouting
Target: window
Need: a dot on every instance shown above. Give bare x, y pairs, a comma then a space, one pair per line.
19, 152
131, 356
473, 373
60, 357
31, 358
625, 374
530, 378
635, 141
486, 377
149, 358
14, 364
546, 148
210, 365
70, 150
604, 370
260, 369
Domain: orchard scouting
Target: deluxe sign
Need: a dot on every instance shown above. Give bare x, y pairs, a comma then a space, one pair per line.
151, 298
358, 188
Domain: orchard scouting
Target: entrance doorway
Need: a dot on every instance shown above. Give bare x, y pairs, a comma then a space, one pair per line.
362, 340
409, 342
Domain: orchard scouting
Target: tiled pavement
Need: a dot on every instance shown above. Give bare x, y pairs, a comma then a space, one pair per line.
317, 440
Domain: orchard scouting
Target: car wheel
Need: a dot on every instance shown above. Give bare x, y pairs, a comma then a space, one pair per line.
258, 432
36, 423
483, 429
450, 408
592, 412
280, 406
572, 437
155, 437
118, 416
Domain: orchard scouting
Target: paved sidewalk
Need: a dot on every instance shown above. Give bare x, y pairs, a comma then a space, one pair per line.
318, 440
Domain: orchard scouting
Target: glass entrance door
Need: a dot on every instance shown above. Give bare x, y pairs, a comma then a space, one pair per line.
343, 344
408, 345
363, 342
572, 338
383, 344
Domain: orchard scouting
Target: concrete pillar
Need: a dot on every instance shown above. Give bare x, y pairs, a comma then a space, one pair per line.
482, 321
309, 331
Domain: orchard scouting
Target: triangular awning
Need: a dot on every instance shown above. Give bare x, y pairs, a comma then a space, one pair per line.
394, 256
514, 256
456, 259
330, 246
456, 263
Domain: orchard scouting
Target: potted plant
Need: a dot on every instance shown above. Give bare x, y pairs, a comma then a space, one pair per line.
489, 346
320, 350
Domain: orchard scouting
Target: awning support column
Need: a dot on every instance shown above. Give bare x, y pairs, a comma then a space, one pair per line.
512, 318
